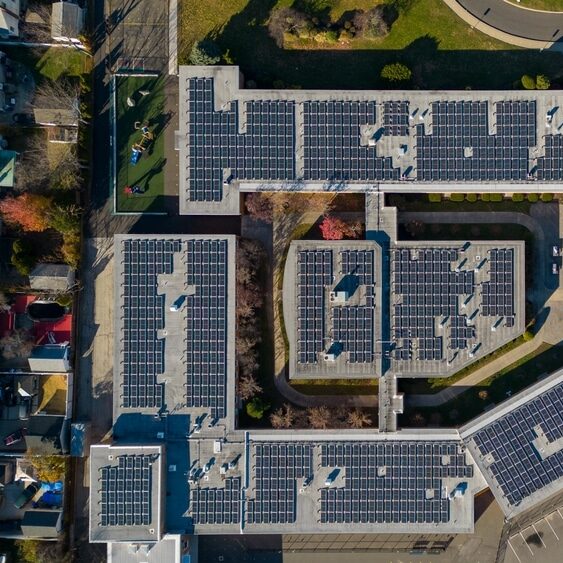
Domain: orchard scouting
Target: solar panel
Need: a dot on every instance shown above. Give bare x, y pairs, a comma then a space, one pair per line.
125, 495
217, 505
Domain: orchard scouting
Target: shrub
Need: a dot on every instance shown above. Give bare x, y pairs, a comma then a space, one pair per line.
71, 250
204, 53
517, 197
65, 220
396, 72
528, 82
471, 198
528, 335
457, 197
542, 82
434, 198
532, 197
485, 197
23, 258
257, 407
496, 197
546, 197
371, 23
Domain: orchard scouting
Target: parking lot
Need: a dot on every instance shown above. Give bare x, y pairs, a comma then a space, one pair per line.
541, 541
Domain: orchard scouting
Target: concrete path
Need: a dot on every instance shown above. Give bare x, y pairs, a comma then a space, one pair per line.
511, 23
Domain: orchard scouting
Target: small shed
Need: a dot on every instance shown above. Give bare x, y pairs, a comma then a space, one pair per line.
67, 22
51, 277
49, 358
41, 523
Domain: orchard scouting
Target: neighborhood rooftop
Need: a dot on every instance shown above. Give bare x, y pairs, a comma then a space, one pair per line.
233, 139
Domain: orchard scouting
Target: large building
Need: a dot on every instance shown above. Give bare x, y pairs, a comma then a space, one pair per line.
234, 140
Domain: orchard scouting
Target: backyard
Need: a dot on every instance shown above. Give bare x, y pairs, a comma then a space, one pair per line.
139, 184
441, 50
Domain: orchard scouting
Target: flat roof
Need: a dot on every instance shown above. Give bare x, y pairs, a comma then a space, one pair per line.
332, 309
233, 139
175, 327
126, 498
518, 445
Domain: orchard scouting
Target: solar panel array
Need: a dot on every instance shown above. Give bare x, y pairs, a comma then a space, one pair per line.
399, 496
353, 326
396, 118
331, 139
498, 293
428, 287
550, 166
125, 496
265, 151
143, 315
314, 273
518, 469
217, 505
458, 126
277, 466
207, 325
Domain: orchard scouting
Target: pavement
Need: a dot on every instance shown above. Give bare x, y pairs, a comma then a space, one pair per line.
512, 24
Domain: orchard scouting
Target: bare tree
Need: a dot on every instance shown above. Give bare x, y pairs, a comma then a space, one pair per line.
283, 417
60, 94
248, 387
17, 345
417, 419
259, 206
37, 26
4, 302
358, 419
319, 417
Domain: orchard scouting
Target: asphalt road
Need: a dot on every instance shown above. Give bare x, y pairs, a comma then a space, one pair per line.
515, 20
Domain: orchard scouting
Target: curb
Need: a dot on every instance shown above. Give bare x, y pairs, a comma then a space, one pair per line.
516, 4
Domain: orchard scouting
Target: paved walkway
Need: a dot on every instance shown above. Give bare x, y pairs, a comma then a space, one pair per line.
512, 24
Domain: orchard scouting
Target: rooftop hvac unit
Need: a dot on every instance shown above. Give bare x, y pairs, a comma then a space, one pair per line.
330, 357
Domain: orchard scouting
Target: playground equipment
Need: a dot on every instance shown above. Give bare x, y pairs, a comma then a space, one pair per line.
137, 149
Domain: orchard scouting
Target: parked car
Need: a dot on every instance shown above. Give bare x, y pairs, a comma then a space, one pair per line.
26, 495
555, 251
554, 268
15, 437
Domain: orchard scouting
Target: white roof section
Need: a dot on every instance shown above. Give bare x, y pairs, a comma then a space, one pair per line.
67, 21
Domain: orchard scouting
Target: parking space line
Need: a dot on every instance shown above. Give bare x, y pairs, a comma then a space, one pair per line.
539, 536
559, 512
514, 551
551, 527
526, 543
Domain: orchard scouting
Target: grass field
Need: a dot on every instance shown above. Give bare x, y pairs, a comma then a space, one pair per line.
441, 49
148, 173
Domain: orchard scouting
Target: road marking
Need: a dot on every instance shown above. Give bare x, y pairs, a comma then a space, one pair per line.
539, 536
526, 543
549, 524
514, 551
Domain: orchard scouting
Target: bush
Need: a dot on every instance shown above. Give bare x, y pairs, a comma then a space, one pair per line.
71, 250
532, 198
528, 335
434, 198
517, 197
257, 407
23, 258
546, 197
204, 53
485, 197
65, 220
542, 82
497, 197
371, 23
457, 197
471, 198
528, 82
396, 72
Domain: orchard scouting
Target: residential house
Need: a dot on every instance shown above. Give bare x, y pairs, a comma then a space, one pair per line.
62, 124
50, 358
51, 277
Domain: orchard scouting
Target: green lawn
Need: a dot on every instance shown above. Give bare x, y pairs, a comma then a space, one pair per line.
56, 62
441, 49
148, 173
550, 5
499, 387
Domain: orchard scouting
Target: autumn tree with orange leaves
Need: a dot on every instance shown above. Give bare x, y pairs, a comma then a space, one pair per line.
28, 211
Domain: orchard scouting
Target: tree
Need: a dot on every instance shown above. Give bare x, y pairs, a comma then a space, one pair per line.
434, 198
483, 394
546, 197
4, 302
358, 419
48, 468
472, 198
292, 22
17, 345
417, 419
396, 72
457, 197
517, 197
248, 387
528, 82
318, 417
65, 219
532, 198
542, 82
39, 30
415, 227
283, 417
28, 211
257, 407
70, 249
371, 23
205, 53
333, 228
259, 206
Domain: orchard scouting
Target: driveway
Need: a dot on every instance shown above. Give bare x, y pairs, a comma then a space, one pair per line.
511, 20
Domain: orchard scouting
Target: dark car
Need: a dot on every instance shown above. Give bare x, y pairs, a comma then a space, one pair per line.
15, 437
26, 495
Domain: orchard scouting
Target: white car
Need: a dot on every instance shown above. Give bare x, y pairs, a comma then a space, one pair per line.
555, 250
554, 268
